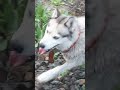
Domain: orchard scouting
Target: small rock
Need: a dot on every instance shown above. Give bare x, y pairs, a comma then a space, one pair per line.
46, 87
59, 78
28, 76
71, 74
77, 81
72, 87
73, 79
61, 89
65, 87
45, 63
77, 87
82, 81
56, 82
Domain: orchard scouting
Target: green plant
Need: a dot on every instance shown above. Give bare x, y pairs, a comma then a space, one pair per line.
64, 73
56, 55
56, 2
83, 87
11, 14
82, 66
41, 19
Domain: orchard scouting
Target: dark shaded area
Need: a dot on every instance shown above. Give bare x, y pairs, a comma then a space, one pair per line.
102, 45
16, 65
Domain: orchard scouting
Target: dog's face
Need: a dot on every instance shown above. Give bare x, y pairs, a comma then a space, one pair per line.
58, 32
21, 46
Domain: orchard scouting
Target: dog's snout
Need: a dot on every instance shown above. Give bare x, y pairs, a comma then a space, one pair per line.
16, 47
41, 45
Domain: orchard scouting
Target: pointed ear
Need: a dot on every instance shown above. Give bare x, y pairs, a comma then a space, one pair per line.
55, 14
69, 22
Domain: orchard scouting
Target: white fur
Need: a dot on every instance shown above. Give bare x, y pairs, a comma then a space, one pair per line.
74, 57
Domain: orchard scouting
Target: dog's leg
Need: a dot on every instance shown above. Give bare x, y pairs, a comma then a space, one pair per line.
55, 72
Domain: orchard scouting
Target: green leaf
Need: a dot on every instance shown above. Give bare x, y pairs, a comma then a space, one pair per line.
64, 73
3, 45
41, 19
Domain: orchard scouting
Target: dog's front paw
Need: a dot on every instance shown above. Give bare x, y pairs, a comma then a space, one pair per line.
45, 77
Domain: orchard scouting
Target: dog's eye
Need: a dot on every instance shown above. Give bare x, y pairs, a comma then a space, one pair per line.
48, 31
67, 35
56, 37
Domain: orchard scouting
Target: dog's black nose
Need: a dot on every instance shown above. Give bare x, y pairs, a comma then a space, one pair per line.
41, 45
16, 47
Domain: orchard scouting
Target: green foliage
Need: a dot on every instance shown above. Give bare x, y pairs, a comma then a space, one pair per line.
11, 14
41, 19
64, 73
3, 44
82, 66
56, 55
116, 87
83, 87
56, 2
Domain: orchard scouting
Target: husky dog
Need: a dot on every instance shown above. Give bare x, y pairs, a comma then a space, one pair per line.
67, 34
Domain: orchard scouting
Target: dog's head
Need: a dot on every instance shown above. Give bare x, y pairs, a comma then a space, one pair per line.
58, 33
21, 46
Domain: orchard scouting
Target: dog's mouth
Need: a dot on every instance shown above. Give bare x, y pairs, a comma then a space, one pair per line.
43, 51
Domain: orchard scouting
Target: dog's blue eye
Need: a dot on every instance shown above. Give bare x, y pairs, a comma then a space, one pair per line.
55, 37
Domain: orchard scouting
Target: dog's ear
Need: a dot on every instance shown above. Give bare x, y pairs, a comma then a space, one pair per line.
55, 14
69, 22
